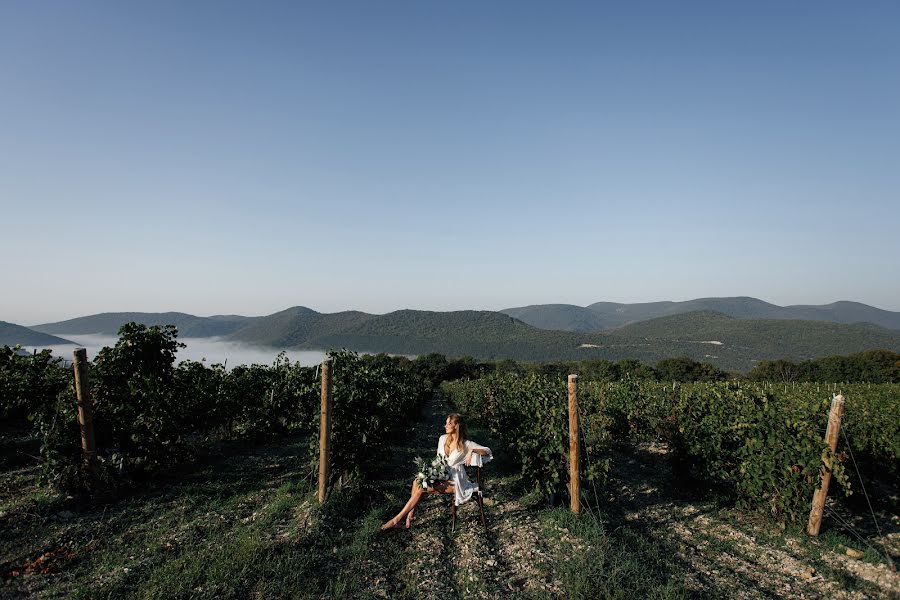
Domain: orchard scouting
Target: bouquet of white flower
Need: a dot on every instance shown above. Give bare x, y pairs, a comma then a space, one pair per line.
432, 472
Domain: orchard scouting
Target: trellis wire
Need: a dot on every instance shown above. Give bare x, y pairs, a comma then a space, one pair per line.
868, 502
587, 456
849, 529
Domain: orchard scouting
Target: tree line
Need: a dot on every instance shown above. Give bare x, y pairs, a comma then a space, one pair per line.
873, 366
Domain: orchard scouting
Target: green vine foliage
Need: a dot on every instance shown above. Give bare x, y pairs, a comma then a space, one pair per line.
756, 444
372, 403
763, 451
139, 417
633, 409
28, 381
757, 448
255, 401
871, 427
151, 413
36, 388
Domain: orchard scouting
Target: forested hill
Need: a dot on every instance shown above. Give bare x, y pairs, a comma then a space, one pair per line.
564, 317
297, 326
482, 334
727, 342
12, 334
608, 315
476, 333
706, 336
303, 322
720, 339
109, 323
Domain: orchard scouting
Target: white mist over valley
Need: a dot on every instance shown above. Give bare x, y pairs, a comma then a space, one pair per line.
212, 350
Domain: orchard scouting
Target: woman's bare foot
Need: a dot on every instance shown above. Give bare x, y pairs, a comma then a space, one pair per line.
409, 521
392, 524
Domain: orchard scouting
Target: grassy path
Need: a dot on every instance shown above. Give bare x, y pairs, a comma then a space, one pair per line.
433, 561
527, 551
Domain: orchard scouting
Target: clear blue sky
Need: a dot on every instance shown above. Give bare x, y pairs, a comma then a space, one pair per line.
219, 157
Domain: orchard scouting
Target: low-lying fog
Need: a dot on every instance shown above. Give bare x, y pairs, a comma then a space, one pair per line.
214, 350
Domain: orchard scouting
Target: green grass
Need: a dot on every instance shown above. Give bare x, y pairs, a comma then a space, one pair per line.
213, 531
623, 563
243, 525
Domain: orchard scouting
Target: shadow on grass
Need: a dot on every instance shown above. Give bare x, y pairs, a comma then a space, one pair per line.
329, 554
648, 499
130, 532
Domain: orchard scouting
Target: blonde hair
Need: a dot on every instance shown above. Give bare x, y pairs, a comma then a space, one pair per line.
457, 438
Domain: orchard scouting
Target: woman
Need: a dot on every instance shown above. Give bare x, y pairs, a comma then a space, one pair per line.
459, 451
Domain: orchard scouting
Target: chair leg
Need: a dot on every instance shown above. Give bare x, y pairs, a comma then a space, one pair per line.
453, 509
481, 508
480, 496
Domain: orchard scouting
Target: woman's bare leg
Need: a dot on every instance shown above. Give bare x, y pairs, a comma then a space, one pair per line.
416, 496
442, 488
412, 511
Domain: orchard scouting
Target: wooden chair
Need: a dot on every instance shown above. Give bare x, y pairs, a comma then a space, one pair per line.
478, 495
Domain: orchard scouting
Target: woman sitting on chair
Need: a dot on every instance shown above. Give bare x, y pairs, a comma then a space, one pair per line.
460, 453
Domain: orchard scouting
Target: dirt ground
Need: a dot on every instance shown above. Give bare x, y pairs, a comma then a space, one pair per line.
745, 554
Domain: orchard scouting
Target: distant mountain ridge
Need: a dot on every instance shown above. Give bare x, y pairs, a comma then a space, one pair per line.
602, 316
295, 326
12, 334
726, 341
718, 337
109, 323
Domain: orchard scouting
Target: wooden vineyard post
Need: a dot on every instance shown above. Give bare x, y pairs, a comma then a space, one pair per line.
574, 458
831, 438
85, 418
325, 430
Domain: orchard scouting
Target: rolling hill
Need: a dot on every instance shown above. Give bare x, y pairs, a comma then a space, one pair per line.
608, 315
563, 317
12, 334
724, 340
296, 326
729, 343
109, 323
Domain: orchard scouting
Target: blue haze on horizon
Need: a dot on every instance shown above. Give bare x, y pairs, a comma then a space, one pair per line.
241, 158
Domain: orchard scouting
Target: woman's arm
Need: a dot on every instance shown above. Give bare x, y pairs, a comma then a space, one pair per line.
472, 451
473, 448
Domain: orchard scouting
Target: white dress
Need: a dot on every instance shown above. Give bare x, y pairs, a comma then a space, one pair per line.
456, 462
